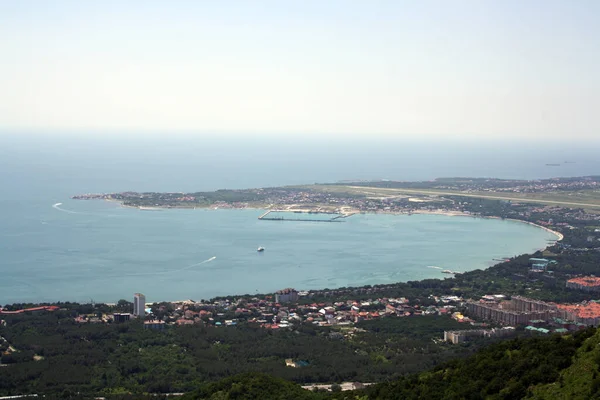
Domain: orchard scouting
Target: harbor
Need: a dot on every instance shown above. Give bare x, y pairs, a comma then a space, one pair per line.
270, 215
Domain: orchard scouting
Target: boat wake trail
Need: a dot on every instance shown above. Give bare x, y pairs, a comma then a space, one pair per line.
172, 271
200, 263
57, 206
434, 267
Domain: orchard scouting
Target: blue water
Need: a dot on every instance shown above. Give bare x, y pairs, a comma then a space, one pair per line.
304, 216
98, 250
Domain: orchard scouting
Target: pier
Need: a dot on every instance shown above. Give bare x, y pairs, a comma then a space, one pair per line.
266, 217
342, 216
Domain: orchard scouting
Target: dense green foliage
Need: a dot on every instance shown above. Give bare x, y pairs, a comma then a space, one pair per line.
417, 328
505, 370
119, 358
124, 358
579, 381
522, 368
252, 386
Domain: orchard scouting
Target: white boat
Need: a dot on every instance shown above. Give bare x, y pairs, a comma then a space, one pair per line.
260, 249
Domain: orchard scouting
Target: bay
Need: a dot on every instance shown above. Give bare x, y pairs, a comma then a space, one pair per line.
96, 250
101, 251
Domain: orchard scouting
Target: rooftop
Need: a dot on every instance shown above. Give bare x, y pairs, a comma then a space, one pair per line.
586, 281
589, 310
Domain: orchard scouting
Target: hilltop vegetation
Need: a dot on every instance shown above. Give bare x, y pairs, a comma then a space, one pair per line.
253, 386
556, 367
549, 367
581, 380
55, 353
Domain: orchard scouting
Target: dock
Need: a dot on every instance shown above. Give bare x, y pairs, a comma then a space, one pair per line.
266, 217
343, 216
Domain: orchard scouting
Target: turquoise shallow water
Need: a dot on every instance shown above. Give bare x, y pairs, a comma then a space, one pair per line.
98, 250
82, 250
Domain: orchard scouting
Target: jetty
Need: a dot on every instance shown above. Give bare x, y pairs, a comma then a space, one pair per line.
267, 217
264, 215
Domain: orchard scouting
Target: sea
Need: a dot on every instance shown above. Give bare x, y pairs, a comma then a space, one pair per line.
53, 248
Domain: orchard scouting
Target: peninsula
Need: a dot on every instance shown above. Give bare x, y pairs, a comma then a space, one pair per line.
376, 196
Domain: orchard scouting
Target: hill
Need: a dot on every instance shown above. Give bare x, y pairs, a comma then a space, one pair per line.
252, 386
580, 380
555, 367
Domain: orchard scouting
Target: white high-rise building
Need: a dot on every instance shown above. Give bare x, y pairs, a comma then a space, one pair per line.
139, 305
286, 295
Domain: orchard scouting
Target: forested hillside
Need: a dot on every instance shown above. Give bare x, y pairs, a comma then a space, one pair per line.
54, 353
581, 380
556, 367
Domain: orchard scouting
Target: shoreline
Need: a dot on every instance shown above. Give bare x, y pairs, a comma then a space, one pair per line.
448, 213
559, 235
349, 213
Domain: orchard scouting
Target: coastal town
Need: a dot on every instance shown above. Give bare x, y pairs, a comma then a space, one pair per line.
288, 308
554, 290
577, 232
351, 197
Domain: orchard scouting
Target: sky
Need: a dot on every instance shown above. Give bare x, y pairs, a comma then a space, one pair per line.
453, 69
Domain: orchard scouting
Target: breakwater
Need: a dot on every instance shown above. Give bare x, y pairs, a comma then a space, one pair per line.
267, 216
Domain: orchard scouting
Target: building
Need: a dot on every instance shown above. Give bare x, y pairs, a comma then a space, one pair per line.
540, 264
139, 305
587, 313
288, 295
523, 304
518, 310
290, 363
121, 317
534, 329
295, 364
457, 337
154, 325
586, 283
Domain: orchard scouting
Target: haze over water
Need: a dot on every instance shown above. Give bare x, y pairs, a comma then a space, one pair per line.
81, 250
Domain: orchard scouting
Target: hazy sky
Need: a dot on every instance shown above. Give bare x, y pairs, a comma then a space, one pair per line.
454, 68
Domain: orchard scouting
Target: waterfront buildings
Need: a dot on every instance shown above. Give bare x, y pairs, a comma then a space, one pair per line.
139, 305
521, 310
540, 264
518, 310
288, 295
586, 283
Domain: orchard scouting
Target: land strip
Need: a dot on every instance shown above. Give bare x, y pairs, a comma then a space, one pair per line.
542, 198
580, 192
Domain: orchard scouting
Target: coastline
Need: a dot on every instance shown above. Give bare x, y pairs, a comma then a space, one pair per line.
486, 265
349, 213
559, 235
